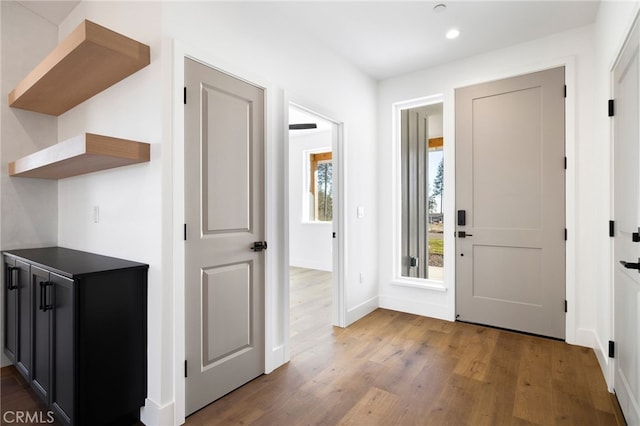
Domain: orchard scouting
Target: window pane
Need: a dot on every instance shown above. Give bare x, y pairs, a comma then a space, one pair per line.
324, 191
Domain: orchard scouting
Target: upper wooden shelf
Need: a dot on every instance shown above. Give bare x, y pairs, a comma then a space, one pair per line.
91, 59
83, 154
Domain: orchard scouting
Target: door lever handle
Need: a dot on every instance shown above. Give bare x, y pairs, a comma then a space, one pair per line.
463, 234
630, 265
259, 246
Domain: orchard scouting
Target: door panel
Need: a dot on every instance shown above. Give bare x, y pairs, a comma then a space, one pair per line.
226, 306
510, 180
63, 346
627, 218
23, 356
226, 166
41, 371
224, 210
10, 310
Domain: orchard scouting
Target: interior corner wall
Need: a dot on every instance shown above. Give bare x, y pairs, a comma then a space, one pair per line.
29, 207
575, 46
129, 199
613, 24
258, 37
310, 243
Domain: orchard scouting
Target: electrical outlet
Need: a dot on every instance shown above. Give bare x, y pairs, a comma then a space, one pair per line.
96, 214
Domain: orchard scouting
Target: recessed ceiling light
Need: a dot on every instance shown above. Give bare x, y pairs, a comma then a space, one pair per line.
439, 8
453, 33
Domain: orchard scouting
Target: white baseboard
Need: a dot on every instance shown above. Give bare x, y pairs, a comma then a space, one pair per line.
153, 414
363, 309
311, 264
277, 359
415, 307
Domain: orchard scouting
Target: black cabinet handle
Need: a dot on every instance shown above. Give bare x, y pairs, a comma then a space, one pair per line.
10, 284
44, 306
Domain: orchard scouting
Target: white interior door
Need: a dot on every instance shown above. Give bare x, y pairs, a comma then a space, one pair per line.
627, 220
224, 211
510, 249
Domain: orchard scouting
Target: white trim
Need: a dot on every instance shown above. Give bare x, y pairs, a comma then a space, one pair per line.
415, 307
424, 284
275, 354
339, 313
396, 195
359, 311
155, 414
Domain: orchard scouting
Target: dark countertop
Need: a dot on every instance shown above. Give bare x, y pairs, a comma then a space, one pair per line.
72, 263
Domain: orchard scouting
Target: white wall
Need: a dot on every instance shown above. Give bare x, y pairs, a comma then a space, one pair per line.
29, 207
611, 28
572, 48
310, 243
136, 202
129, 198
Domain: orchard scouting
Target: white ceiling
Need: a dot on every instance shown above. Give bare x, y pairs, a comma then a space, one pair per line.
391, 38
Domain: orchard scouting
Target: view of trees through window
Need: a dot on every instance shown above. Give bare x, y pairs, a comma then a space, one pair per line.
321, 187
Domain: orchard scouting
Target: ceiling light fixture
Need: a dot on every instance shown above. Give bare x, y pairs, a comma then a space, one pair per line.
453, 33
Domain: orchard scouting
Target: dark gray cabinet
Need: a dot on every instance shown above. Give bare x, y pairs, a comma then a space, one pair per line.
17, 299
83, 319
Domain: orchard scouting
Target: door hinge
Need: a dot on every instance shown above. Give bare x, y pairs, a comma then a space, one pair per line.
185, 232
565, 90
333, 235
612, 349
612, 228
611, 108
566, 306
185, 95
635, 236
185, 368
565, 234
565, 163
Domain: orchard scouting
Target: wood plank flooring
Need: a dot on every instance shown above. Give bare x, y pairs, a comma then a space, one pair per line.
392, 368
18, 400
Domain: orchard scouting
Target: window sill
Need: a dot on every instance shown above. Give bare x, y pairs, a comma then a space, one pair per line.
420, 283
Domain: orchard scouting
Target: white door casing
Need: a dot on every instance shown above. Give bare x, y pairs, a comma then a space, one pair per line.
224, 215
626, 246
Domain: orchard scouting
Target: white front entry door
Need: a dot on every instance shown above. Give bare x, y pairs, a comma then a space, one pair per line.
627, 226
224, 232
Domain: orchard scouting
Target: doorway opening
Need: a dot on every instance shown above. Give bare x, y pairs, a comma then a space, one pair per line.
313, 224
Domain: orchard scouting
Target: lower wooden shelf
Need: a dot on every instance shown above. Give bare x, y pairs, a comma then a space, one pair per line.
83, 154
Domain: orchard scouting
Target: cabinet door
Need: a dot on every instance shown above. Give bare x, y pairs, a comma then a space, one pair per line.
24, 293
17, 318
10, 310
62, 371
41, 372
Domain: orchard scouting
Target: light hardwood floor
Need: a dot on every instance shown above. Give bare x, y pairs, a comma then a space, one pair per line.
392, 368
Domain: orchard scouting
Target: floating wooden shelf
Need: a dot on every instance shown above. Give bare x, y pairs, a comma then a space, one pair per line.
91, 59
83, 154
